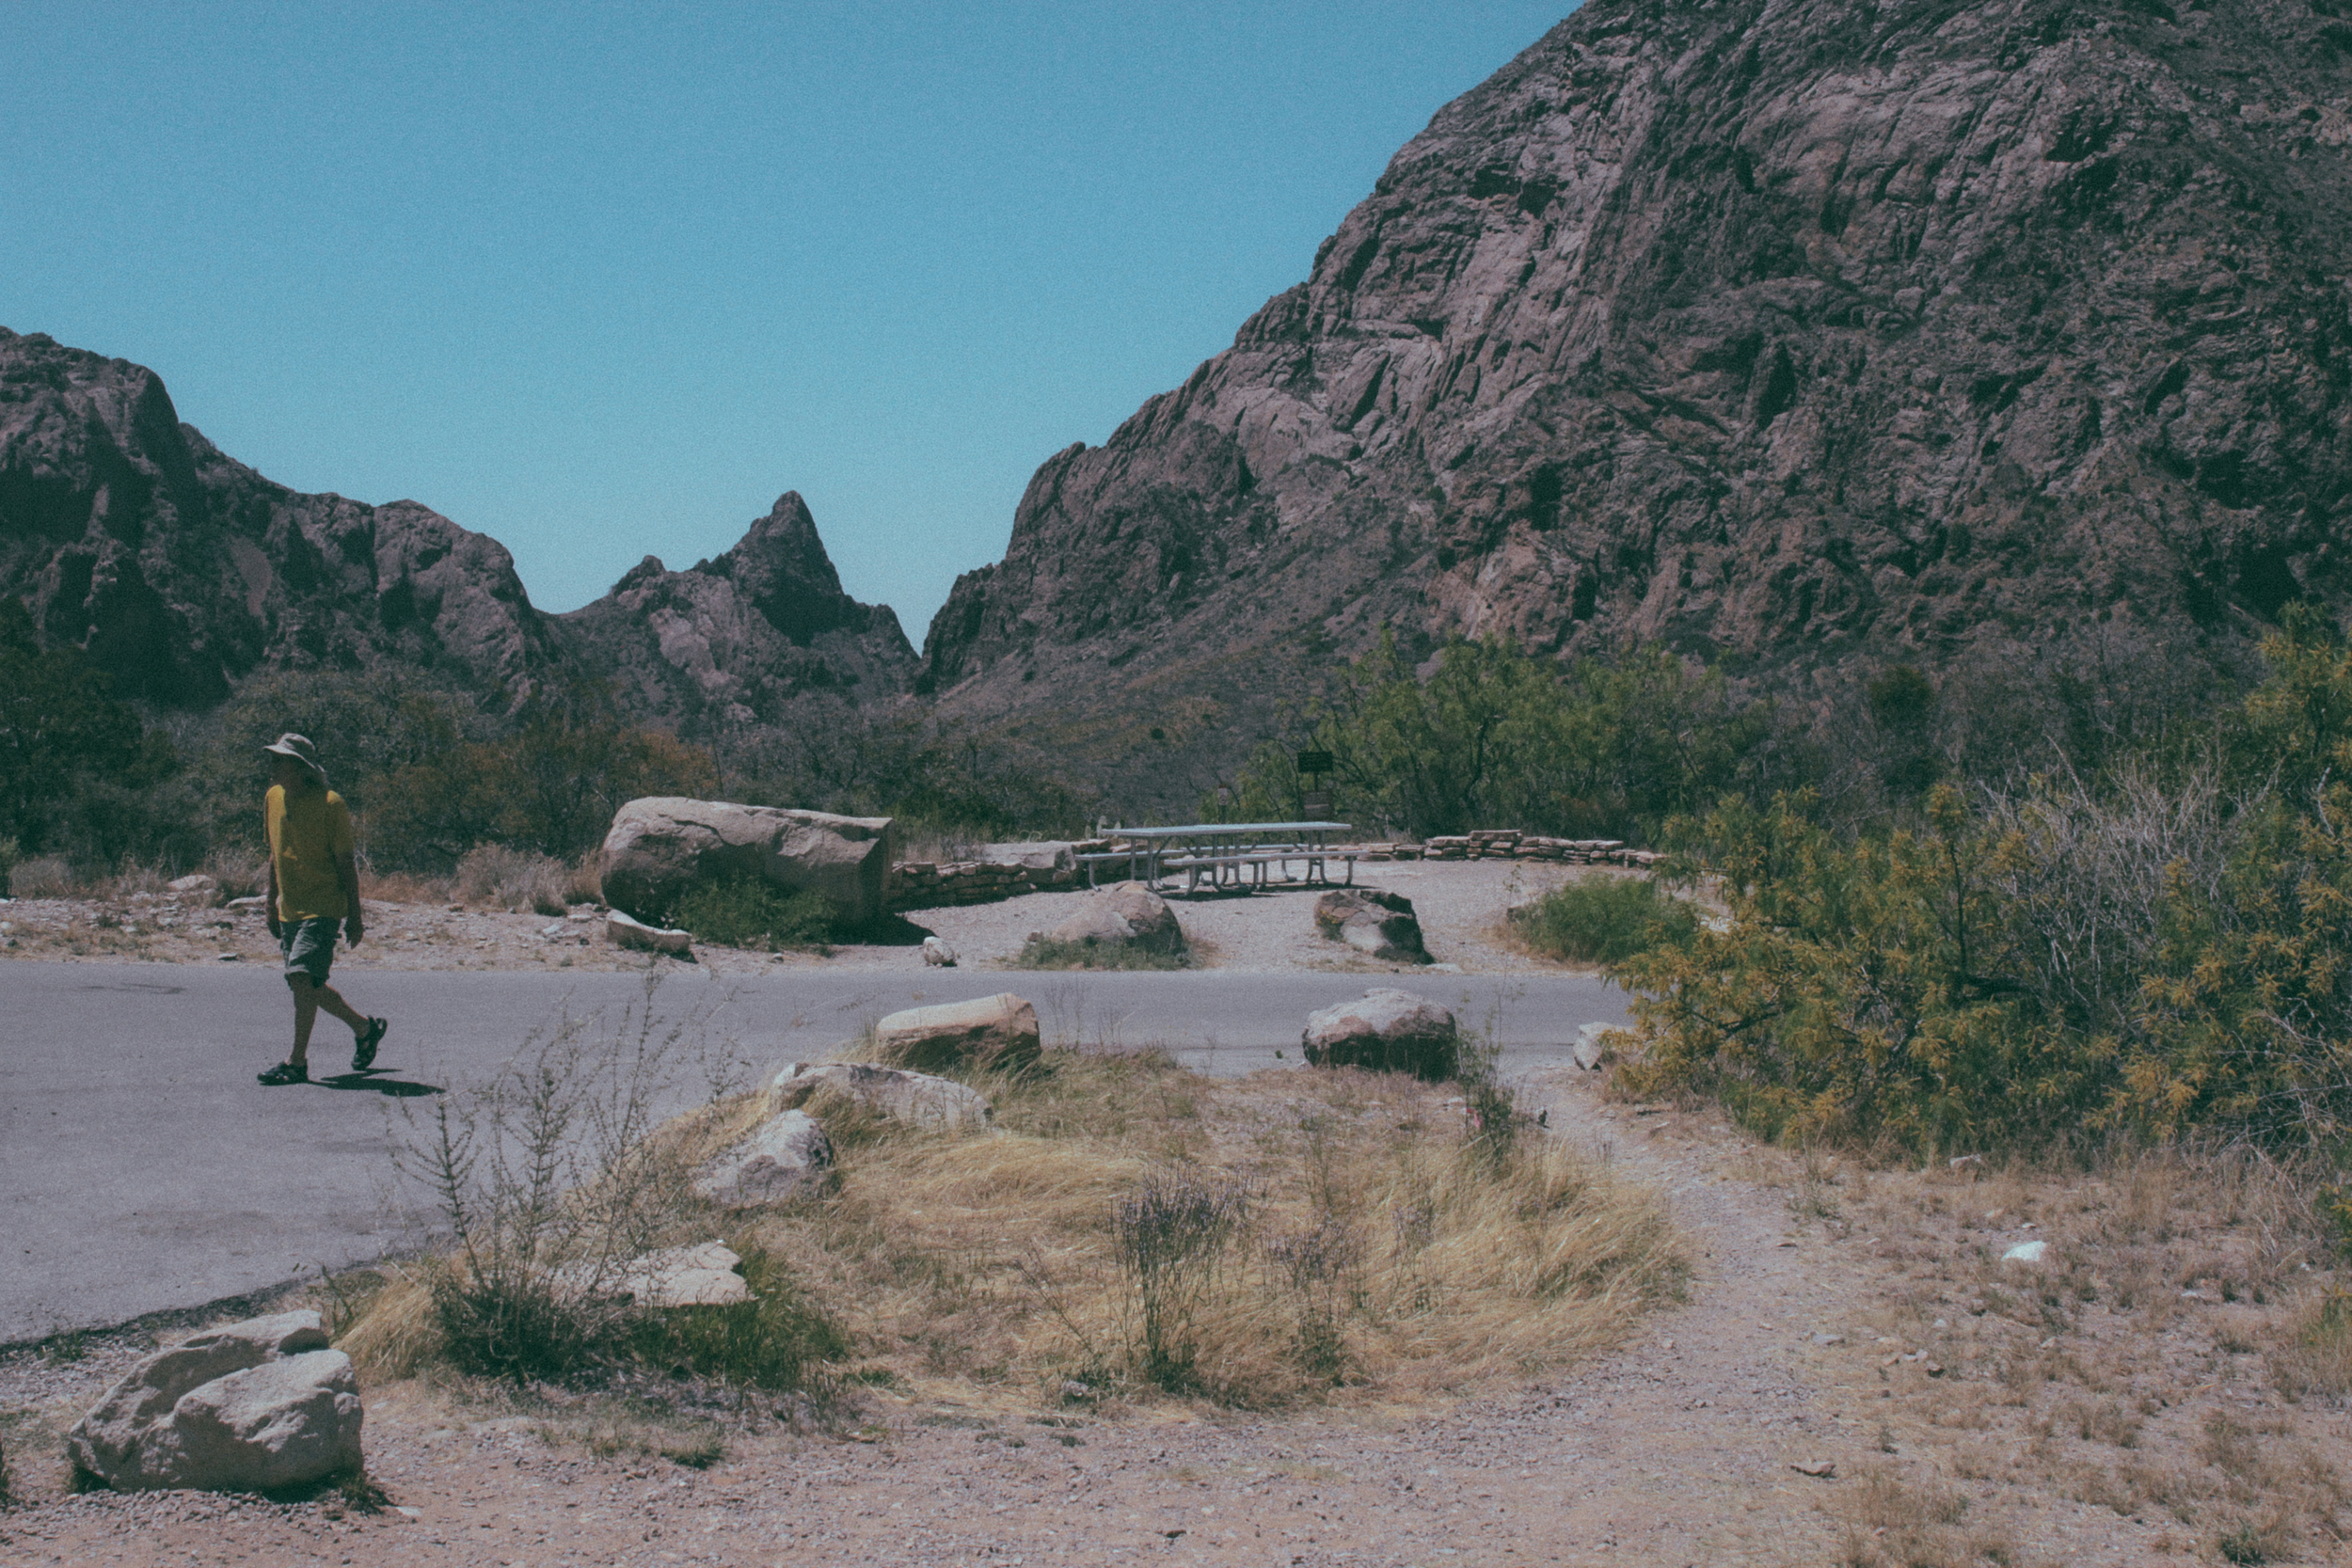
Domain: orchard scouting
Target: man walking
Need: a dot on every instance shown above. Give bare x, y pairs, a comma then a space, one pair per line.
313, 888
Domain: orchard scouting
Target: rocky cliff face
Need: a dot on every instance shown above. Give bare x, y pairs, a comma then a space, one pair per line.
1794, 330
180, 570
742, 638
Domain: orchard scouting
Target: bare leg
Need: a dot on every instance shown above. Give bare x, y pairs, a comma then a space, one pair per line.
308, 1000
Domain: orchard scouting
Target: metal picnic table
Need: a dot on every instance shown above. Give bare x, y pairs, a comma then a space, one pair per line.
1216, 849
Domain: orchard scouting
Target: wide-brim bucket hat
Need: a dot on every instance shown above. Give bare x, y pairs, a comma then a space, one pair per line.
299, 748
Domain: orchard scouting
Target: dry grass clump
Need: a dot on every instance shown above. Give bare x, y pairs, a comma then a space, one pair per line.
1131, 1228
494, 874
2314, 1359
43, 877
1891, 1524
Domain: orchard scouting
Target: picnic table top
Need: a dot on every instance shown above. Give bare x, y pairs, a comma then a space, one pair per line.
1221, 830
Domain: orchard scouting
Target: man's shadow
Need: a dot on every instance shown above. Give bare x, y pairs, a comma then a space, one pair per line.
375, 1083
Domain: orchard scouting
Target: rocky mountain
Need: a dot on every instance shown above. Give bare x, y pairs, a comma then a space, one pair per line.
180, 570
740, 639
1808, 334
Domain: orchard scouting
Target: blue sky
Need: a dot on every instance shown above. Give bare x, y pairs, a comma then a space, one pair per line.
603, 281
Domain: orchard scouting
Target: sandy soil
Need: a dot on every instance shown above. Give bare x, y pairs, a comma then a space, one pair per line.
1838, 1319
1460, 906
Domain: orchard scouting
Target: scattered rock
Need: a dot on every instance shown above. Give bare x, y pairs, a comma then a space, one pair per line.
626, 930
1389, 1031
2026, 1252
993, 1033
1820, 1469
196, 887
1378, 924
1961, 1162
254, 904
687, 1276
1050, 856
783, 1156
1592, 1049
938, 954
250, 1407
1826, 1339
662, 846
1129, 913
232, 958
936, 1104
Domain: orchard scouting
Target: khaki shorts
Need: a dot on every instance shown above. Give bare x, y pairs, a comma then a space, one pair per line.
309, 947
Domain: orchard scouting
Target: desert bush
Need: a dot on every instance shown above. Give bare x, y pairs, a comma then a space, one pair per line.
1604, 920
43, 877
1172, 1232
584, 883
749, 910
1494, 734
1040, 952
77, 768
2147, 956
241, 870
494, 874
550, 1184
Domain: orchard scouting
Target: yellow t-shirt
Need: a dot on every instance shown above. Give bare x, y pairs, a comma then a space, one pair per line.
308, 832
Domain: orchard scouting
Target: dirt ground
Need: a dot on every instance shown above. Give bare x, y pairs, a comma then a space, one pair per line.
1460, 906
2125, 1402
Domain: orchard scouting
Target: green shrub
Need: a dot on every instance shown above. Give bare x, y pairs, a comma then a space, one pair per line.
1605, 919
775, 1340
1046, 953
1495, 735
749, 910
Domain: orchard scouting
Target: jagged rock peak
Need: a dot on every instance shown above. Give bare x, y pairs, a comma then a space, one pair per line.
740, 637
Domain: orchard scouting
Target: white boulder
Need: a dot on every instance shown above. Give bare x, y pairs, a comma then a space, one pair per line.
938, 954
782, 1157
626, 930
1389, 1031
251, 1406
918, 1099
1129, 915
995, 1032
687, 1276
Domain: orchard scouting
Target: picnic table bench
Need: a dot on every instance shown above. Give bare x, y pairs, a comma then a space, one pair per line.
1225, 851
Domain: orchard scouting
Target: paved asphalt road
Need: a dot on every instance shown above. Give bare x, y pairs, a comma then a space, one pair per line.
141, 1167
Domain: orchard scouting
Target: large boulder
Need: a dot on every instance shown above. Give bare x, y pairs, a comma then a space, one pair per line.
251, 1406
663, 844
1380, 925
781, 1158
1389, 1031
1129, 915
993, 1033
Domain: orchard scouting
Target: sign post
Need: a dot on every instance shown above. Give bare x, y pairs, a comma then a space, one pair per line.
1317, 800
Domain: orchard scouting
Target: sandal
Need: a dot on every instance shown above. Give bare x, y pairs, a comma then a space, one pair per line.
363, 1048
286, 1072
